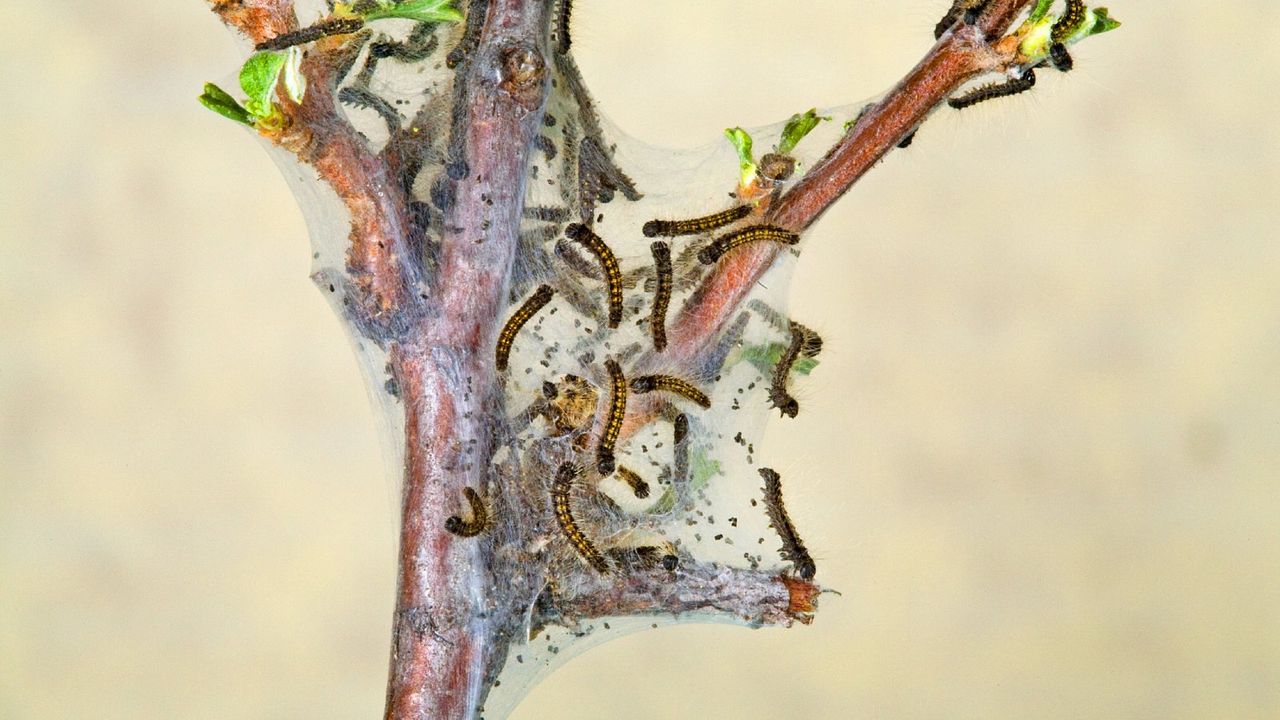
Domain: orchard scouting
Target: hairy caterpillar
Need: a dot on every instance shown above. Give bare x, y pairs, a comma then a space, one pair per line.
536, 302
696, 226
637, 484
324, 28
778, 394
1061, 58
477, 10
365, 99
479, 517
756, 233
811, 344
560, 504
565, 11
608, 263
674, 385
613, 422
995, 90
647, 556
969, 9
661, 294
1069, 23
793, 548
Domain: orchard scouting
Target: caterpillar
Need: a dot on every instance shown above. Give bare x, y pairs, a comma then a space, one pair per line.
661, 294
367, 100
613, 422
778, 394
608, 263
905, 142
562, 26
793, 548
968, 9
479, 517
560, 505
324, 28
646, 556
811, 344
536, 302
477, 10
1061, 58
680, 471
1069, 23
756, 233
674, 385
995, 90
695, 226
637, 484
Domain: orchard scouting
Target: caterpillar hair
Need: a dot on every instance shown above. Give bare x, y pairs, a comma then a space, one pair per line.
811, 345
667, 383
477, 10
646, 557
367, 100
1061, 58
637, 484
324, 28
696, 226
479, 517
507, 337
995, 90
563, 15
778, 394
793, 549
613, 422
561, 506
661, 294
968, 9
608, 263
756, 233
1067, 25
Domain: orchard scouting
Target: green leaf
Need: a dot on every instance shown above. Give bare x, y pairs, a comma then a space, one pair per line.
1102, 22
765, 357
258, 79
665, 503
295, 83
701, 469
742, 143
1041, 9
420, 10
217, 100
797, 127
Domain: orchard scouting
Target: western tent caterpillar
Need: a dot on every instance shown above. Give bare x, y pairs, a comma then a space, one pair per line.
756, 233
811, 344
479, 517
562, 26
696, 226
793, 548
536, 302
995, 90
613, 422
1069, 23
561, 505
969, 9
1061, 58
675, 385
637, 484
477, 10
661, 294
367, 100
324, 28
778, 394
608, 263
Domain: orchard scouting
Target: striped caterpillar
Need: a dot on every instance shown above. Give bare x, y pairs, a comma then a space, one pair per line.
324, 28
674, 385
968, 9
995, 90
613, 422
479, 517
638, 486
561, 505
564, 12
756, 233
661, 294
1069, 23
778, 394
696, 226
507, 337
608, 263
793, 548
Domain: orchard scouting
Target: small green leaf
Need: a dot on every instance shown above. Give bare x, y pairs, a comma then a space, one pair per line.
701, 469
1041, 9
742, 143
217, 100
1102, 22
420, 10
798, 126
665, 503
765, 358
258, 79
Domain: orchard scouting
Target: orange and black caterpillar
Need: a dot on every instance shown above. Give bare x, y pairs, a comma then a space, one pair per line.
778, 394
536, 302
695, 226
756, 233
479, 517
560, 504
637, 484
968, 9
1069, 23
608, 262
613, 422
563, 14
324, 28
1061, 59
667, 383
995, 90
793, 548
661, 294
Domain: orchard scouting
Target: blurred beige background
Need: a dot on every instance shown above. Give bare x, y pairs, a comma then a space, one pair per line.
1040, 458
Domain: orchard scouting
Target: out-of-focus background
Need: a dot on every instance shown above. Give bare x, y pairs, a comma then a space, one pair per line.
1040, 458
